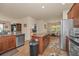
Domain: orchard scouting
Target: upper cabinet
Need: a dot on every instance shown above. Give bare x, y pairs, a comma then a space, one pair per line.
16, 27
74, 14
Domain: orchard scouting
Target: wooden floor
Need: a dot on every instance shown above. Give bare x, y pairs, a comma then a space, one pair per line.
52, 49
20, 51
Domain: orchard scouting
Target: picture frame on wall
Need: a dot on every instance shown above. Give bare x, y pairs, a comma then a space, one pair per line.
6, 26
25, 25
45, 26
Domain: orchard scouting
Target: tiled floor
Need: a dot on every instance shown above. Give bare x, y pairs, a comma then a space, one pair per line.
52, 49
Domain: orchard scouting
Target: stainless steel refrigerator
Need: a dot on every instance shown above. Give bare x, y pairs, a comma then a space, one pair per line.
66, 27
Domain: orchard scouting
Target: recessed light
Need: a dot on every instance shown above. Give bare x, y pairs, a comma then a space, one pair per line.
43, 6
63, 3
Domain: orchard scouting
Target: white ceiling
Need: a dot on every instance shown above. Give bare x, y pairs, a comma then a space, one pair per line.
20, 10
67, 6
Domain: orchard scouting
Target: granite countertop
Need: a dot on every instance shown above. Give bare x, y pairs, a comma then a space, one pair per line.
40, 35
12, 34
17, 33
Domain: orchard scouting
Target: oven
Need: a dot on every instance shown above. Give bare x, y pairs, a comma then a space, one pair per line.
74, 47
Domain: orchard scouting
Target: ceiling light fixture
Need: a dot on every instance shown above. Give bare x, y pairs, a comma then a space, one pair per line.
43, 6
63, 3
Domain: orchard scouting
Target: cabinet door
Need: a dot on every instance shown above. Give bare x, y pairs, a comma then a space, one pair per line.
5, 43
1, 45
9, 42
13, 42
69, 15
18, 26
41, 45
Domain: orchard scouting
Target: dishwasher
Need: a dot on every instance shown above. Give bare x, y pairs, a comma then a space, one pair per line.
20, 39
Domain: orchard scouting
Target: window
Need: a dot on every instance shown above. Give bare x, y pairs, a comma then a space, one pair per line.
1, 27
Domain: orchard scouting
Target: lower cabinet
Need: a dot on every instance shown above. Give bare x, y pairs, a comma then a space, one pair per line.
7, 43
43, 43
1, 45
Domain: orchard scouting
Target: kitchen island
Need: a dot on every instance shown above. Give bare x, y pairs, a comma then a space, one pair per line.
43, 41
10, 41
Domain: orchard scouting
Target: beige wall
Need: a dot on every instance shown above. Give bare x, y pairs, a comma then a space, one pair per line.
40, 27
65, 14
30, 23
27, 20
27, 30
7, 22
53, 21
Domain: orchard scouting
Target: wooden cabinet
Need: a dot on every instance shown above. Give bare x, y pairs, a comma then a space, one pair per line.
43, 43
4, 43
18, 27
7, 43
11, 42
71, 14
1, 45
74, 14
